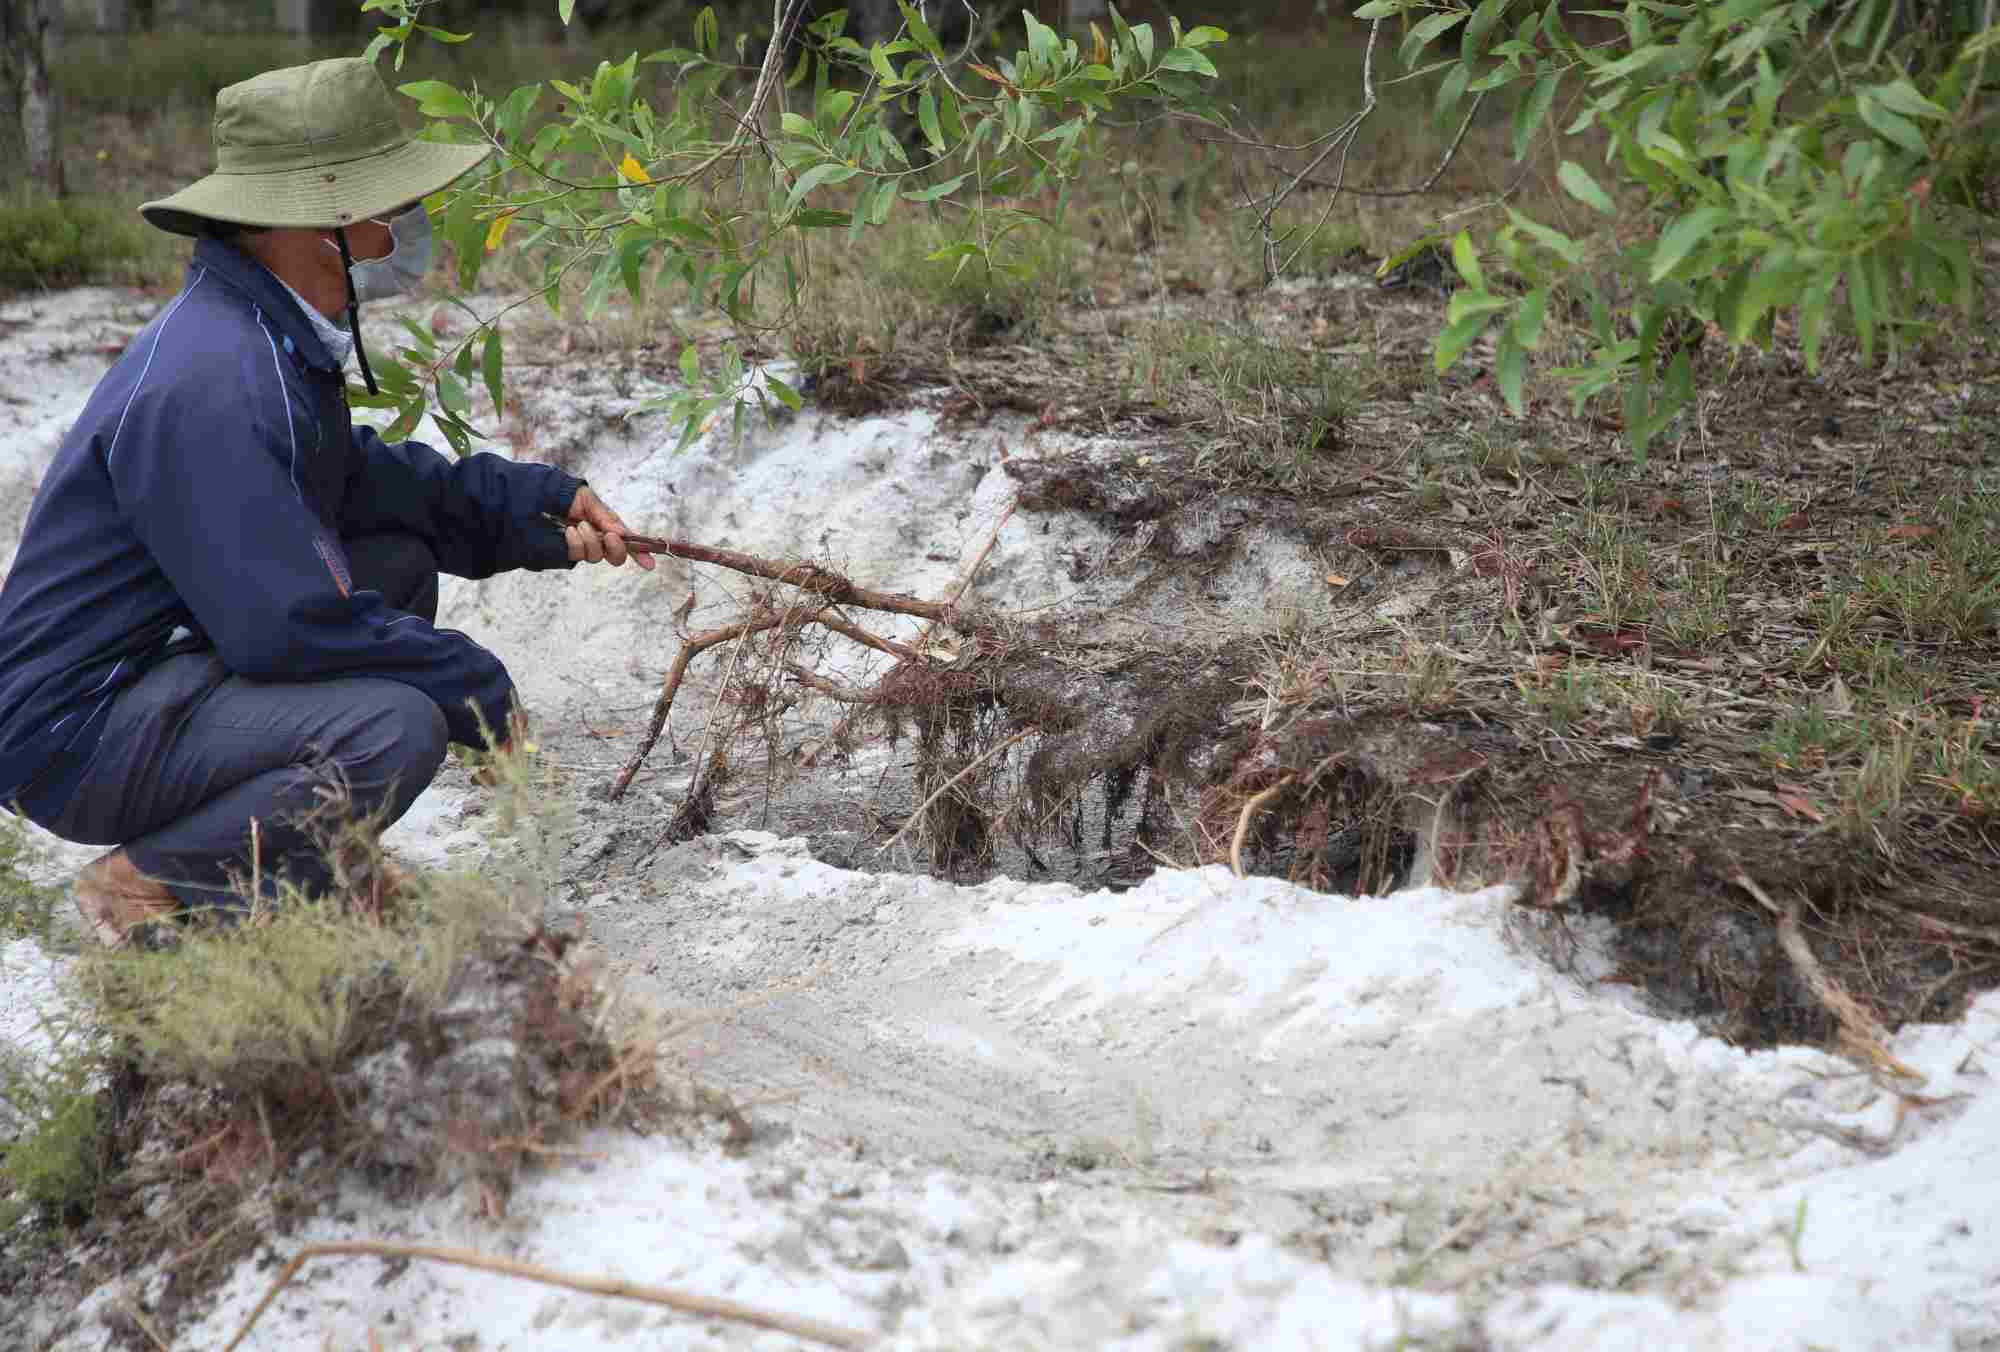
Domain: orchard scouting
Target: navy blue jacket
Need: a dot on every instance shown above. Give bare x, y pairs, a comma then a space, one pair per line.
206, 487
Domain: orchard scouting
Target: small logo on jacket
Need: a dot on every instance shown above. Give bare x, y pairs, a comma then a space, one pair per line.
335, 564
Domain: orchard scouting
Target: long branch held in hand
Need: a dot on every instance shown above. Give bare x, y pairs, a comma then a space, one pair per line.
805, 576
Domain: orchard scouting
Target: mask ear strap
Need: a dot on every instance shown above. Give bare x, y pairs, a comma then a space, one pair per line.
354, 310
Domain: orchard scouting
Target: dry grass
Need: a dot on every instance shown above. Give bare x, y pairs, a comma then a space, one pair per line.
449, 1040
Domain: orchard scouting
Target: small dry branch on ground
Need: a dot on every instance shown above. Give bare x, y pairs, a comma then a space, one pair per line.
704, 1307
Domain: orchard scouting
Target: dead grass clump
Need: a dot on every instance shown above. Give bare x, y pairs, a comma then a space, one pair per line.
444, 1042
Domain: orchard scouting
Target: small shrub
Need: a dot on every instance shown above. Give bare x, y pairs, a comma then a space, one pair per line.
54, 1162
27, 908
46, 242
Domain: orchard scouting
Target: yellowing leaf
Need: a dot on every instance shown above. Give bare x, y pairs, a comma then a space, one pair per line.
498, 230
1100, 52
631, 170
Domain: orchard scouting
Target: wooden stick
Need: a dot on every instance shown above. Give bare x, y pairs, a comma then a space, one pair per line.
1243, 823
810, 577
988, 754
703, 1306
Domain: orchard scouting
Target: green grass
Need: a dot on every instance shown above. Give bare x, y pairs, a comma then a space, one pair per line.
46, 242
1282, 407
53, 1162
27, 908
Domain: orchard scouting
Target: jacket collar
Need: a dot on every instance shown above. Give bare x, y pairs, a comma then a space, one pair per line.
239, 270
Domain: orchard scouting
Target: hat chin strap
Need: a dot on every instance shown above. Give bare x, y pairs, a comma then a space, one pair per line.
354, 310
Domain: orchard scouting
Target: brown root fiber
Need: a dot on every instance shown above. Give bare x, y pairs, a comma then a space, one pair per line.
1366, 803
1096, 760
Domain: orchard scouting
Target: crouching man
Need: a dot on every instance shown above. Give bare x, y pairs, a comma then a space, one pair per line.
223, 602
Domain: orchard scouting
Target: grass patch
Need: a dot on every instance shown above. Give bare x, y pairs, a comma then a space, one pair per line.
883, 294
27, 908
1274, 411
55, 1160
47, 242
229, 1078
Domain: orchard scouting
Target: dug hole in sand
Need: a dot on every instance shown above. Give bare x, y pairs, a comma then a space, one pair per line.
1202, 1112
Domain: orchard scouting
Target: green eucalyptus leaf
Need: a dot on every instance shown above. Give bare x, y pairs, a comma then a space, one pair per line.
817, 176
452, 395
1466, 259
787, 396
1510, 368
490, 367
1533, 111
1451, 343
1681, 238
1189, 60
1578, 183
435, 98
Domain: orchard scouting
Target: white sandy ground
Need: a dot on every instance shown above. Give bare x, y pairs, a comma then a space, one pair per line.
1200, 1113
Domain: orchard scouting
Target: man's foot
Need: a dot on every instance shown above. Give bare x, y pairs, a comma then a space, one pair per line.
115, 899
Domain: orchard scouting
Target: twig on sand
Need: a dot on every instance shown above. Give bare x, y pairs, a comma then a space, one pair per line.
988, 754
1519, 1256
979, 559
1243, 822
143, 1324
1861, 1034
703, 1306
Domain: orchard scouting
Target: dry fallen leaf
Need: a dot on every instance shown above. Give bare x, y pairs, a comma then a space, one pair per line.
1336, 580
1798, 805
1911, 532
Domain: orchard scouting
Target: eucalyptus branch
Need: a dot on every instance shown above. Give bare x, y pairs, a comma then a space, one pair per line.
1341, 138
1450, 153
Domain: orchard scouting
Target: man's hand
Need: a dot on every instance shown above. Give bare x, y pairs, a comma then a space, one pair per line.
596, 534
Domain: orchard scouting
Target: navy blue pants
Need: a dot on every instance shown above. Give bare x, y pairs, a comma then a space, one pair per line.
193, 754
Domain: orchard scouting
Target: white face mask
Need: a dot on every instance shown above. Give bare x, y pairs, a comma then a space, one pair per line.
408, 259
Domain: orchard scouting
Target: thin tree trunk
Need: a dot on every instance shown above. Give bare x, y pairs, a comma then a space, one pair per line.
41, 127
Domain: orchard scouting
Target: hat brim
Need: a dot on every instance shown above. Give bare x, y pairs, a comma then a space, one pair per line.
321, 198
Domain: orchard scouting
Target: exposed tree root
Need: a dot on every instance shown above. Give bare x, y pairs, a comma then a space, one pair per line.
1250, 807
1862, 1035
829, 593
1051, 739
943, 788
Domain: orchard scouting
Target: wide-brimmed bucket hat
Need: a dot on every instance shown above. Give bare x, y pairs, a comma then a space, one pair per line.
313, 146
